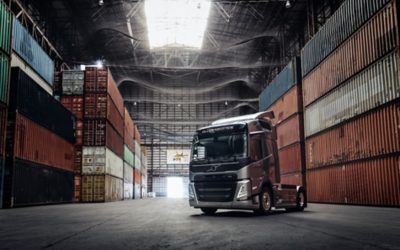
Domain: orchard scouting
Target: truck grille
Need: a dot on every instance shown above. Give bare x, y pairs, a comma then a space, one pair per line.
215, 191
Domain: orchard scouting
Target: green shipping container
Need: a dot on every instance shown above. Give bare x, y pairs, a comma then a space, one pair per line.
5, 28
4, 77
128, 156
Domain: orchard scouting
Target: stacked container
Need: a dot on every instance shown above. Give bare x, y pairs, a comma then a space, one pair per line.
71, 88
129, 158
351, 90
143, 171
5, 55
283, 96
103, 141
137, 176
39, 146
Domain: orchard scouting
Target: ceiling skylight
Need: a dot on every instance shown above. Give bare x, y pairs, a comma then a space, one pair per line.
176, 22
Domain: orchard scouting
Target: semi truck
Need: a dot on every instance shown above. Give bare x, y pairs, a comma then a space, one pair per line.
235, 165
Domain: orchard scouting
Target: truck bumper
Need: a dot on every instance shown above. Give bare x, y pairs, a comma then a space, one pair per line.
249, 203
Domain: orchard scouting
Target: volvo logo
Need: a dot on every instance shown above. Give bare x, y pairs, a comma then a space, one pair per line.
213, 168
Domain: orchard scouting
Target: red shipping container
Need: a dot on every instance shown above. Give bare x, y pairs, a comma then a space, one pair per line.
34, 143
370, 182
77, 188
101, 106
136, 176
137, 135
3, 126
99, 132
79, 132
293, 179
289, 104
371, 135
74, 104
78, 159
129, 131
289, 131
375, 39
290, 160
101, 81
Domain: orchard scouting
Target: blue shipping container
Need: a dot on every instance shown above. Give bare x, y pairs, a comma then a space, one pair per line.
29, 50
282, 83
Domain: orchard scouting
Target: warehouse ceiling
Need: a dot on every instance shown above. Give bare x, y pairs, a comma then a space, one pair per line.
245, 43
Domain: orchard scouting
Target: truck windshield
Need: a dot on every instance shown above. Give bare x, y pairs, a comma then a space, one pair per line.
219, 146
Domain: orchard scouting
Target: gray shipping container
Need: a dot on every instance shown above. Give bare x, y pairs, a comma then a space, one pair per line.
282, 83
376, 85
351, 15
31, 52
72, 82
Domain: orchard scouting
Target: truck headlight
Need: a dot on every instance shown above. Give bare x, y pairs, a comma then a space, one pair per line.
244, 190
191, 192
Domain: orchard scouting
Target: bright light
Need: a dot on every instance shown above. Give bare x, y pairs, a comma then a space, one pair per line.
176, 22
99, 64
83, 67
175, 187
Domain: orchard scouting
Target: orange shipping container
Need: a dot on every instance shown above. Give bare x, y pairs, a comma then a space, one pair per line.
293, 179
289, 104
290, 159
77, 188
374, 134
137, 177
371, 182
372, 41
34, 143
129, 131
288, 132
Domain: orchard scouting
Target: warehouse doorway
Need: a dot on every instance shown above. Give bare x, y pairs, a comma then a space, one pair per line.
175, 187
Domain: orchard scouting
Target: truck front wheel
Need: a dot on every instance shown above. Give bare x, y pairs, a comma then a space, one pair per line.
209, 211
265, 202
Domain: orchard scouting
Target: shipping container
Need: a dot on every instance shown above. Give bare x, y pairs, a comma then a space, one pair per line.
31, 52
101, 133
101, 106
137, 191
290, 160
28, 183
284, 81
6, 18
293, 179
287, 105
74, 104
128, 156
128, 181
72, 82
129, 131
101, 160
137, 138
101, 81
347, 19
288, 132
362, 49
137, 177
101, 188
1, 180
370, 182
78, 159
376, 85
39, 106
376, 133
35, 143
4, 77
3, 126
57, 86
77, 188
137, 164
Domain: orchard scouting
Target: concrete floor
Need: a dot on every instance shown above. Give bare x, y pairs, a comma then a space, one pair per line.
172, 224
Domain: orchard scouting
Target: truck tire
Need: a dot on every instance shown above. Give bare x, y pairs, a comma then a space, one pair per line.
301, 200
209, 211
265, 202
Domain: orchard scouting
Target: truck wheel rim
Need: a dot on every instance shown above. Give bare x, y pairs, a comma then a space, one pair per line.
301, 199
266, 201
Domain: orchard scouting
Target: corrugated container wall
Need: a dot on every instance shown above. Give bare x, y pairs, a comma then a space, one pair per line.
6, 19
36, 104
350, 16
101, 188
72, 82
31, 52
355, 54
101, 160
4, 77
